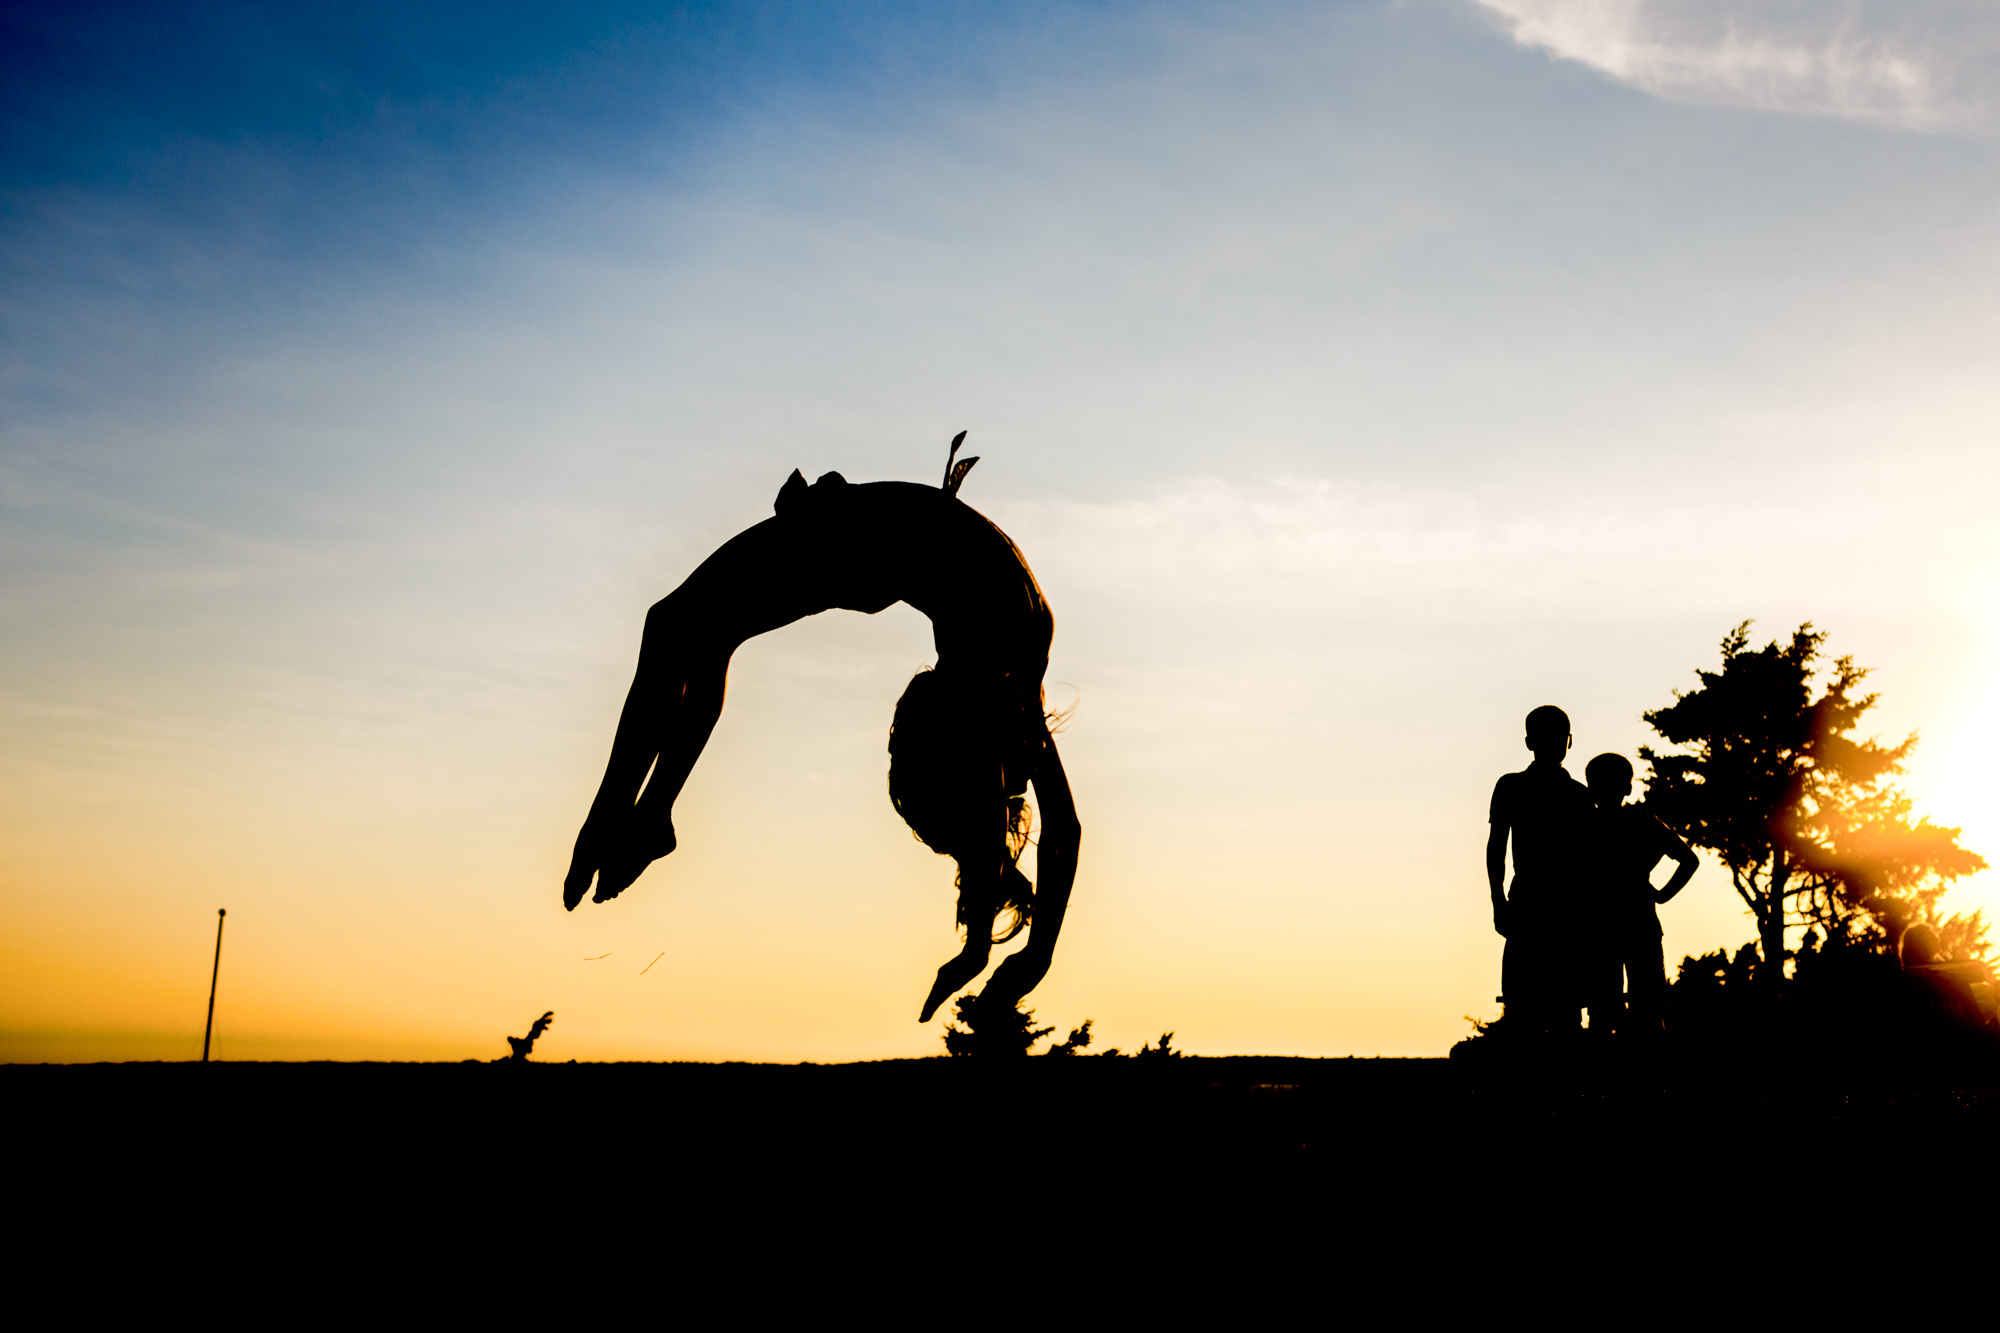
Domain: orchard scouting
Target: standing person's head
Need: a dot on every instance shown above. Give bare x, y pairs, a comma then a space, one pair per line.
1609, 777
1548, 733
1919, 947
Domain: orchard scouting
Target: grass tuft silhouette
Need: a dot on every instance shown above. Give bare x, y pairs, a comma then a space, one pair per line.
522, 1045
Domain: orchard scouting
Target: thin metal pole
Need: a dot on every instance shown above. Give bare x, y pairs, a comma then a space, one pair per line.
209, 1031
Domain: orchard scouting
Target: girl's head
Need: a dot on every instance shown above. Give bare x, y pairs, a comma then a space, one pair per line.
959, 757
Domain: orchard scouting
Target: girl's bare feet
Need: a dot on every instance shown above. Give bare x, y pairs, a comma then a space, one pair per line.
615, 862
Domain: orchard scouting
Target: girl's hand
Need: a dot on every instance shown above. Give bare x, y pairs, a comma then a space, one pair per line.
956, 974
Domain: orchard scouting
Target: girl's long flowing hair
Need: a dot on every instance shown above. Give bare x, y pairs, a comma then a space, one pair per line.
960, 751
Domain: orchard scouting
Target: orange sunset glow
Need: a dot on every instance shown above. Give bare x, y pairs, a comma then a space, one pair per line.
1353, 378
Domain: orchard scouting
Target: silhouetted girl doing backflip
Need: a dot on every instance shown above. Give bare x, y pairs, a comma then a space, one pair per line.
968, 738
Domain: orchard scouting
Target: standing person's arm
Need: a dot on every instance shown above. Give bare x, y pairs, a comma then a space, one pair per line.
1671, 845
1496, 858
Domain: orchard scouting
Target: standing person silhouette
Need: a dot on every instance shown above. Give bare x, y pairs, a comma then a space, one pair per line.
968, 738
1629, 842
1545, 813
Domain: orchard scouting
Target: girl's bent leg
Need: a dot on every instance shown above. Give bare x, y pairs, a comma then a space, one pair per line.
649, 823
672, 707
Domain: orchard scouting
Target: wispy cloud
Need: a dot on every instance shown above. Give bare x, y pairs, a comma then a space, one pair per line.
1918, 64
1319, 546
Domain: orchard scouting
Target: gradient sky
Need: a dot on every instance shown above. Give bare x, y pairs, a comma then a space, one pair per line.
1356, 377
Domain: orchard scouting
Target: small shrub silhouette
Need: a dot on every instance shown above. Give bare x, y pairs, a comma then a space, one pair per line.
1486, 1034
522, 1045
1164, 1051
1076, 1041
1007, 1031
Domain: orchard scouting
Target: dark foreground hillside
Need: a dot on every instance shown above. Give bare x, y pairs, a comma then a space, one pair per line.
961, 1188
1260, 1127
970, 1192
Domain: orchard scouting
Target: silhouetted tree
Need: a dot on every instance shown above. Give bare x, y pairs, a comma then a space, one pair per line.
1707, 991
1164, 1051
1771, 780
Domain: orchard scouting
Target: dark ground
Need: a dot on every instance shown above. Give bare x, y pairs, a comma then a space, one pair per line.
1264, 1127
951, 1190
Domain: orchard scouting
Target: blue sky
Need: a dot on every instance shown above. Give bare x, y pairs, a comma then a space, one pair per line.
260, 155
1356, 377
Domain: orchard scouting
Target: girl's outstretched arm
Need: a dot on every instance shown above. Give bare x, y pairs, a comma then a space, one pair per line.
1055, 869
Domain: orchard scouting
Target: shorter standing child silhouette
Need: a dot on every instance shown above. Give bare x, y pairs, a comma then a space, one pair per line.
1629, 842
